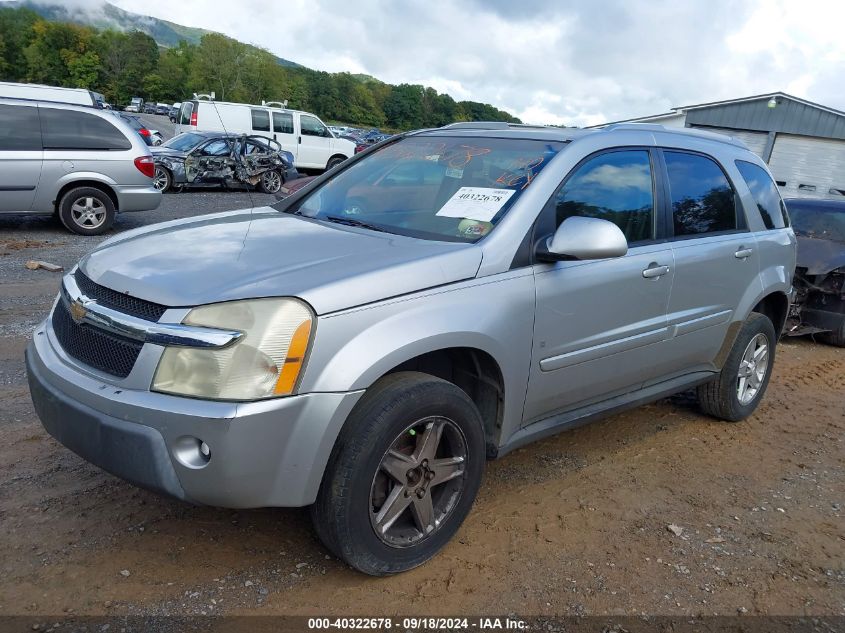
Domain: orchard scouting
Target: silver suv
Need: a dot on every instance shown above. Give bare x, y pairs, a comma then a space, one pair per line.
76, 162
442, 298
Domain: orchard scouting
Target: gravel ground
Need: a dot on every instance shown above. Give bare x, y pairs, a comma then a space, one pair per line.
577, 524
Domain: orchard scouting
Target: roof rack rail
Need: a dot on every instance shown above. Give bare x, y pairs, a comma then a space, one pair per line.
204, 97
687, 131
275, 104
478, 125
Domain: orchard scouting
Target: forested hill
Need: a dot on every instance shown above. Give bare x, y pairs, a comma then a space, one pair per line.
123, 57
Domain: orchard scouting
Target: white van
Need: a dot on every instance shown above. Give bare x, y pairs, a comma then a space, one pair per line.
302, 134
78, 96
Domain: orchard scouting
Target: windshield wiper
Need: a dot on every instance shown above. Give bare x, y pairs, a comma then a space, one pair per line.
337, 219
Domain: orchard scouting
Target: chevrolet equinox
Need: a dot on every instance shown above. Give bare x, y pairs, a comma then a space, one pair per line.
442, 298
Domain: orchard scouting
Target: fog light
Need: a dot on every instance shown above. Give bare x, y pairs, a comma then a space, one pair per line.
191, 452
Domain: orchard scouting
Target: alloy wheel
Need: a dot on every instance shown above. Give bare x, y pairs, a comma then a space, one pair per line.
752, 369
271, 181
160, 179
419, 482
88, 212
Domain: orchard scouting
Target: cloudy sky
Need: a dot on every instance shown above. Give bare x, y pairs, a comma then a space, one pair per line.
567, 61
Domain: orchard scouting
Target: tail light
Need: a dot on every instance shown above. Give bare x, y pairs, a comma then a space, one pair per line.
194, 117
146, 165
144, 131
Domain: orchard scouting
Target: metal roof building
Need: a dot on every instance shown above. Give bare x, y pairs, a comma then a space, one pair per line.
803, 142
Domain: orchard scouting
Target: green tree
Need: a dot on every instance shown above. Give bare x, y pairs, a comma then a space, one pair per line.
218, 65
83, 68
174, 68
16, 34
153, 87
404, 106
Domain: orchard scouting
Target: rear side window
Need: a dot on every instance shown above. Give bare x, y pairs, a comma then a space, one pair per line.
765, 194
616, 186
69, 129
218, 147
702, 198
282, 123
260, 120
185, 113
19, 128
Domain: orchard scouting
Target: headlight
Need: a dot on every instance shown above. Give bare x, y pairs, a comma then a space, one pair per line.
264, 363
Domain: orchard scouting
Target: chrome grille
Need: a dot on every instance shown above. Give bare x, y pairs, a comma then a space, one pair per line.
109, 353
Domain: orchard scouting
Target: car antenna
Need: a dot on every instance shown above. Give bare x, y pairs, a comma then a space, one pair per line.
210, 98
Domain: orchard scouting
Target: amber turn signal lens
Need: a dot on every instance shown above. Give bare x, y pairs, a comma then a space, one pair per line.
294, 360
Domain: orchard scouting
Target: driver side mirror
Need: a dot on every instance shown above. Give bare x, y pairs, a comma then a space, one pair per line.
583, 238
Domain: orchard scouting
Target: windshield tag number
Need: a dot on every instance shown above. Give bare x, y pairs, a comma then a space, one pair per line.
476, 203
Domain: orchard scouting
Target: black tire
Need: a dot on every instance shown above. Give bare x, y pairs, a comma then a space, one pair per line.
271, 181
334, 161
720, 397
342, 512
836, 337
74, 218
162, 179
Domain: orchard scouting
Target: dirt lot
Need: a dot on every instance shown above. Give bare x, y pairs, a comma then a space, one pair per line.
573, 525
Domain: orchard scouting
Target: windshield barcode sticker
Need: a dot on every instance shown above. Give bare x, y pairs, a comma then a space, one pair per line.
475, 203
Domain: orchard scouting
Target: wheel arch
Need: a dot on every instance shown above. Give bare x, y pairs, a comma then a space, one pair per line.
94, 184
474, 371
333, 156
775, 306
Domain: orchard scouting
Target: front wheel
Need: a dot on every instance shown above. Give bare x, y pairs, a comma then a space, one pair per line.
403, 475
334, 161
736, 392
162, 180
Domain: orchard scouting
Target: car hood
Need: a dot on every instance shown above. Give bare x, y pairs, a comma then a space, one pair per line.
820, 256
266, 253
166, 152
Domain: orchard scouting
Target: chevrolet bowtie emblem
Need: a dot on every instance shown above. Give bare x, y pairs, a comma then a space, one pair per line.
77, 311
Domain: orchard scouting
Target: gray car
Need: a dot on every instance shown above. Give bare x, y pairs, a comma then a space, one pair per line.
79, 163
366, 344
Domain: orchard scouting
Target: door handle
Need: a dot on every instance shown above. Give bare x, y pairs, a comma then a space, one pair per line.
300, 139
654, 271
744, 253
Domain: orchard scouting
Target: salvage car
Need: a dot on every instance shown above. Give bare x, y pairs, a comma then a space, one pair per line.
211, 159
364, 345
819, 305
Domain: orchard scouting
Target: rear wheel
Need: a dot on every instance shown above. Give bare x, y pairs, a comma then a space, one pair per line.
271, 181
836, 337
403, 475
334, 161
736, 392
86, 211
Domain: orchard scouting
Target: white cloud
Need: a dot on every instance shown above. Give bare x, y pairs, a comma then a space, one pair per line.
549, 61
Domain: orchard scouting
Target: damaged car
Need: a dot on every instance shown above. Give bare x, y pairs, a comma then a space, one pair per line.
211, 159
819, 304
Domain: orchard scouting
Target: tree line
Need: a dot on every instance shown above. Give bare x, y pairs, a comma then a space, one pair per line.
122, 65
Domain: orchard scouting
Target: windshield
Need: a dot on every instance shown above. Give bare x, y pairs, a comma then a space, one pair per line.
826, 224
184, 142
432, 187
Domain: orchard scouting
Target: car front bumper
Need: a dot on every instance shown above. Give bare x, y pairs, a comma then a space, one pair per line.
137, 197
266, 453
